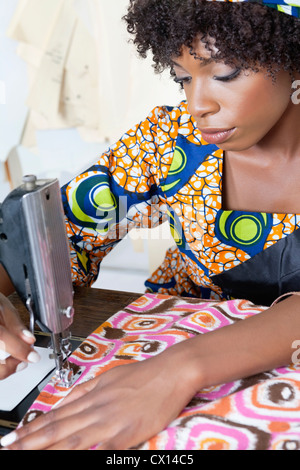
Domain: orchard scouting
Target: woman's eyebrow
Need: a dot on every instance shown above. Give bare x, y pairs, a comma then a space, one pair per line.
203, 61
175, 64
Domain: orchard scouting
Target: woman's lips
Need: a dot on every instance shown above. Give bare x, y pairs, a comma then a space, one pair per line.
216, 136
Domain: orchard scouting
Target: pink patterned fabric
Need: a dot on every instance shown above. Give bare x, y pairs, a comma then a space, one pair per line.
257, 413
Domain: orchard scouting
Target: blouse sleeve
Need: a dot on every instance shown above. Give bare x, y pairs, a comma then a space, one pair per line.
118, 193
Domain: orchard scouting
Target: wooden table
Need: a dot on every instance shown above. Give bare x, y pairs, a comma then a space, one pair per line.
92, 308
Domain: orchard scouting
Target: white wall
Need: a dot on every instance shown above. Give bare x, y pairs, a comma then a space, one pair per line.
63, 153
13, 91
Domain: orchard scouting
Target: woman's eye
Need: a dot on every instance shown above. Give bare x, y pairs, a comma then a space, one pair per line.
182, 81
227, 78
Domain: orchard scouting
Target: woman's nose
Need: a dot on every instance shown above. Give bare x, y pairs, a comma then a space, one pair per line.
202, 102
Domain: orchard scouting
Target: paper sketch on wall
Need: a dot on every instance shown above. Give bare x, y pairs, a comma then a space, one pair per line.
83, 72
62, 64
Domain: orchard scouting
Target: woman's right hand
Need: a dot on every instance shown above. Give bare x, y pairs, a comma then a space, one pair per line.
15, 340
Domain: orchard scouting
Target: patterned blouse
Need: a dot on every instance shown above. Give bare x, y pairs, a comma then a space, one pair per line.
162, 170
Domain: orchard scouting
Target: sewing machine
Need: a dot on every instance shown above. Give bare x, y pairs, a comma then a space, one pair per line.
34, 252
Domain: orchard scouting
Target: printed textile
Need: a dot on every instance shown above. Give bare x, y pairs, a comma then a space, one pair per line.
162, 169
261, 412
290, 7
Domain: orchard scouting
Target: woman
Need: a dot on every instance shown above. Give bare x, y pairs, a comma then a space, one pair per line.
221, 168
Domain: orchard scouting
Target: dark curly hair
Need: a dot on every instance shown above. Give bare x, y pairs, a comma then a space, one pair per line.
248, 34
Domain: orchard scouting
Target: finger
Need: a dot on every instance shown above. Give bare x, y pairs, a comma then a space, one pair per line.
52, 432
11, 366
97, 435
16, 348
11, 320
58, 413
82, 439
60, 423
28, 337
38, 433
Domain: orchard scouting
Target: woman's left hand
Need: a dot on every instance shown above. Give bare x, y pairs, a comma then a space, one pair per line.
15, 341
121, 408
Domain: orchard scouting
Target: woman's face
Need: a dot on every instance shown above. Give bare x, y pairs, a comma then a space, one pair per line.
235, 109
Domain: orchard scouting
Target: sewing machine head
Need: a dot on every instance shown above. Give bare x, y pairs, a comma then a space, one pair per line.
34, 252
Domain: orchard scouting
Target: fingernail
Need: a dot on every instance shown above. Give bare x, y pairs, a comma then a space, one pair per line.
8, 439
33, 357
28, 335
21, 366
